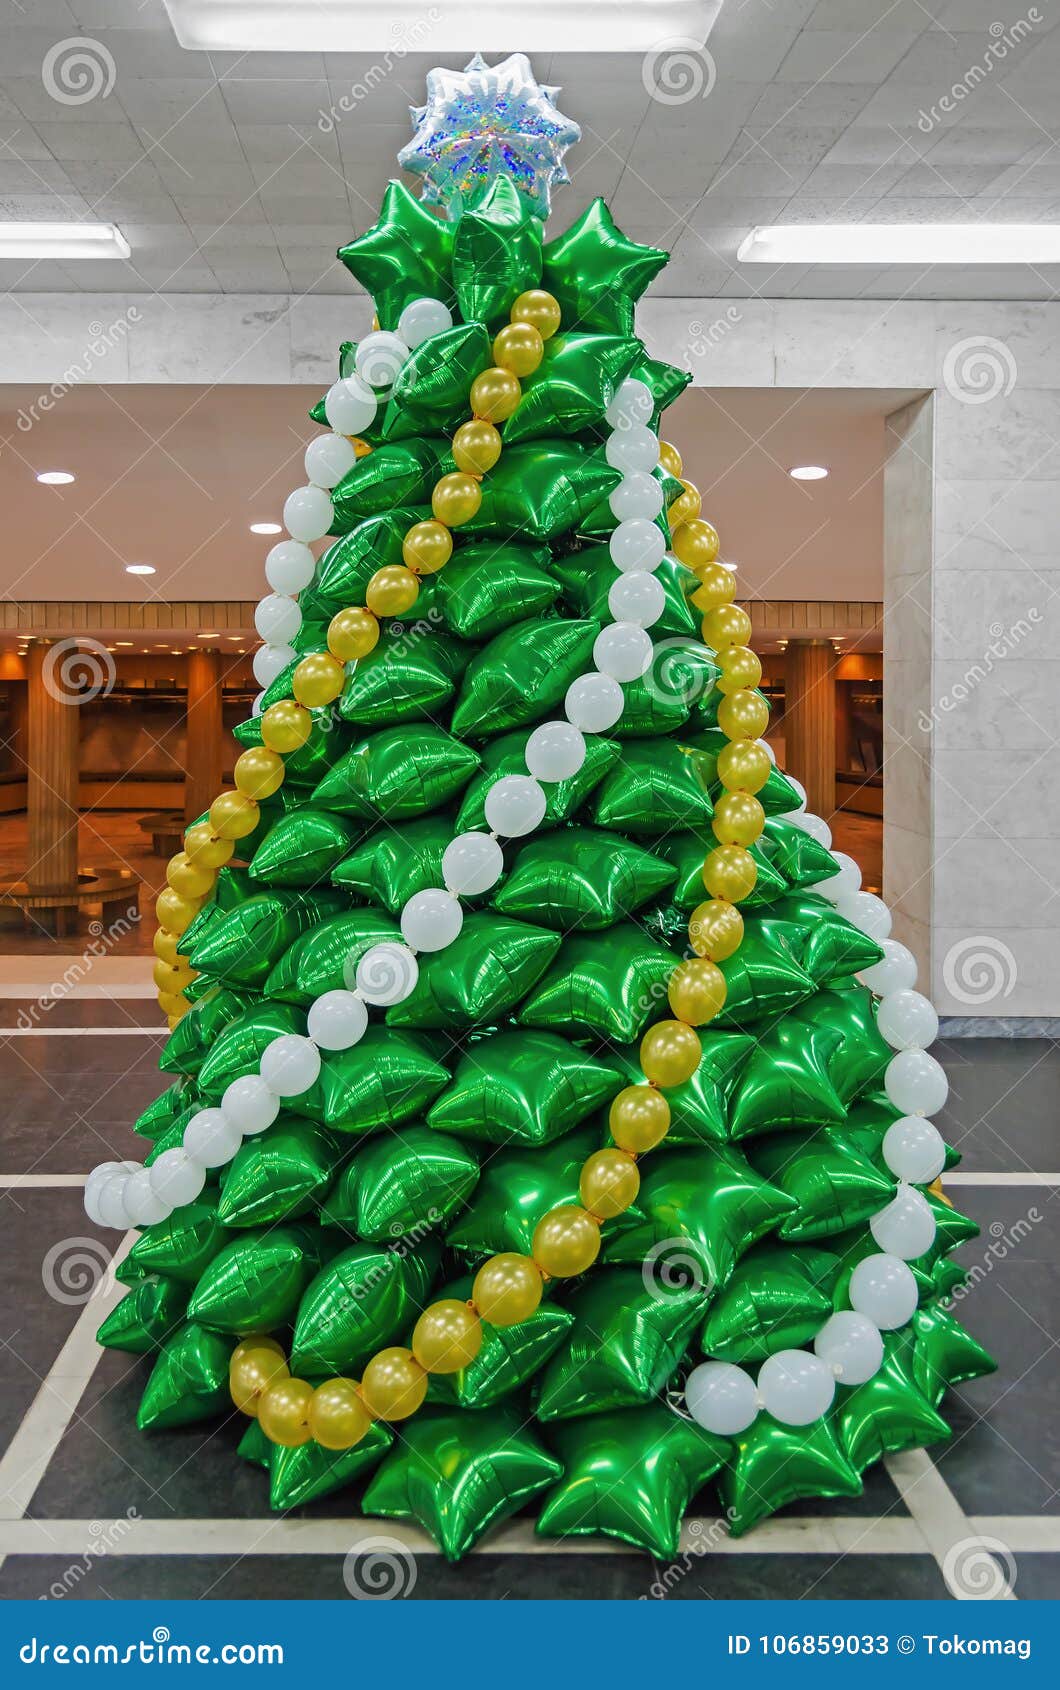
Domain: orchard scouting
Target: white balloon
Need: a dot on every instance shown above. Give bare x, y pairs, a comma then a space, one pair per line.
884, 1290
907, 1020
637, 597
103, 1171
212, 1137
721, 1398
843, 883
555, 751
143, 1206
277, 619
796, 786
914, 1149
906, 1227
594, 703
632, 405
623, 651
637, 544
431, 919
796, 1387
249, 1104
515, 805
896, 973
176, 1177
850, 1344
308, 513
270, 661
290, 566
637, 494
815, 826
422, 319
915, 1083
350, 406
867, 913
386, 973
472, 862
337, 1020
328, 458
290, 1064
768, 749
379, 357
258, 705
634, 448
108, 1202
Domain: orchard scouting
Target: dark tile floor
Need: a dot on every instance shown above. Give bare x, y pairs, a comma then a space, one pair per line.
68, 1101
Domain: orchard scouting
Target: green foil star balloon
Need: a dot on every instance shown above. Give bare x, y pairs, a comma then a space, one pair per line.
528, 1086
774, 1464
189, 1381
407, 255
629, 1334
496, 255
597, 273
889, 1412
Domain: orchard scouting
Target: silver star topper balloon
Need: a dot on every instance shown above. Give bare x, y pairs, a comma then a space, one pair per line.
484, 122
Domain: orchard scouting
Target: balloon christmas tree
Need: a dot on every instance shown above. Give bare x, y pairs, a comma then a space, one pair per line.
550, 1112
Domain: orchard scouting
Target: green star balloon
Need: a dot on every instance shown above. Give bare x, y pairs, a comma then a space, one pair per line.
240, 1046
773, 1465
889, 1412
189, 1381
480, 977
831, 948
763, 978
597, 274
608, 985
496, 255
304, 1474
699, 1108
787, 1082
242, 947
802, 860
400, 1180
301, 850
456, 1474
254, 1283
388, 867
700, 1210
655, 788
364, 1298
407, 255
631, 1475
629, 1334
572, 386
581, 878
540, 490
145, 1317
409, 677
688, 851
393, 473
666, 381
516, 1188
507, 756
522, 675
388, 1077
775, 1299
487, 586
278, 1175
325, 959
526, 1086
510, 1355
588, 576
944, 1353
397, 774
183, 1245
832, 1186
432, 387
185, 1049
159, 1114
345, 569
848, 1011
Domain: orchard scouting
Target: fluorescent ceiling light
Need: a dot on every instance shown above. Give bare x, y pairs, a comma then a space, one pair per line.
488, 26
902, 243
808, 472
139, 569
55, 477
62, 240
266, 528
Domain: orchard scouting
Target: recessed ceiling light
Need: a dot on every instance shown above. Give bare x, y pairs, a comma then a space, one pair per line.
55, 477
902, 243
139, 569
808, 472
206, 637
266, 528
62, 240
123, 642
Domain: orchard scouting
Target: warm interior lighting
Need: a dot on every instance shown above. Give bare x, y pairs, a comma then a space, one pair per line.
266, 528
62, 240
902, 243
139, 569
55, 477
808, 472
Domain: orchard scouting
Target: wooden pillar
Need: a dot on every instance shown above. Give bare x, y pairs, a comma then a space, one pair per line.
205, 733
52, 736
809, 721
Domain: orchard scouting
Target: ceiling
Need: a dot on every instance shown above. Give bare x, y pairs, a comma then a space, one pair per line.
226, 173
174, 476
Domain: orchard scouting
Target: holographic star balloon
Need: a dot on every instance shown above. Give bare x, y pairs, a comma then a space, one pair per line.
485, 122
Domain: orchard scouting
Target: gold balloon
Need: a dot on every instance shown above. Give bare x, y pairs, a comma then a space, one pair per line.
743, 766
507, 1289
171, 978
639, 1119
174, 912
361, 448
392, 590
202, 845
670, 458
715, 929
447, 1336
338, 1418
283, 1412
670, 1053
696, 543
743, 715
285, 725
717, 585
352, 633
726, 625
519, 348
738, 819
394, 1384
697, 991
609, 1183
740, 667
686, 507
232, 816
495, 394
476, 447
164, 945
729, 873
427, 546
190, 879
256, 1364
318, 680
455, 499
540, 309
566, 1241
172, 1006
258, 772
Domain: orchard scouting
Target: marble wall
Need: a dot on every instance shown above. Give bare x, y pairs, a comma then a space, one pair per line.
973, 517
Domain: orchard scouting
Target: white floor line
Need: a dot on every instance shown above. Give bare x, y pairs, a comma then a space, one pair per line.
1000, 1179
84, 1032
1023, 1534
40, 1182
934, 1507
45, 1421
